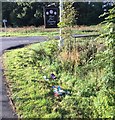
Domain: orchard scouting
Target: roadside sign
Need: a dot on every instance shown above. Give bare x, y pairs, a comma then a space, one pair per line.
5, 21
51, 17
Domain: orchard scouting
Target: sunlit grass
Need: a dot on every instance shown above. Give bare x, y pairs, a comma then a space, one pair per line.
33, 95
41, 31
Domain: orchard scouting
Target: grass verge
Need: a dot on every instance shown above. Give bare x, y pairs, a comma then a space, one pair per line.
41, 31
33, 94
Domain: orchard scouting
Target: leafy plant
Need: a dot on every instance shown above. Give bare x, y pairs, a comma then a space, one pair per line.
109, 34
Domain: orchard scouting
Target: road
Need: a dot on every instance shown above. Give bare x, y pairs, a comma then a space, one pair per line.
7, 42
6, 110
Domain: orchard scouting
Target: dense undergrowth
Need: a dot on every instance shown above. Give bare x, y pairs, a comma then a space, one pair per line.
33, 95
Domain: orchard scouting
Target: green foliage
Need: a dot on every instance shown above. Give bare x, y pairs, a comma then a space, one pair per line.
66, 24
109, 34
101, 104
33, 96
89, 12
91, 85
23, 13
25, 9
68, 17
31, 13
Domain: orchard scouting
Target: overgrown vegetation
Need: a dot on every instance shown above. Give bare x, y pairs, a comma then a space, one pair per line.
88, 73
33, 95
68, 45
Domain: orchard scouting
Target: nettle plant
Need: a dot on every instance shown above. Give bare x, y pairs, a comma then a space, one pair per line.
109, 34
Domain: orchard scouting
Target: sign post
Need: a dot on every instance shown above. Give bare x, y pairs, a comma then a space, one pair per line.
61, 10
5, 21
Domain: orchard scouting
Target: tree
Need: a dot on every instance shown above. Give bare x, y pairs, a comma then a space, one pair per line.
23, 13
69, 51
30, 13
89, 12
68, 19
7, 11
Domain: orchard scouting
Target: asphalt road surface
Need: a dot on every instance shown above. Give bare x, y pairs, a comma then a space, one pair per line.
6, 111
7, 42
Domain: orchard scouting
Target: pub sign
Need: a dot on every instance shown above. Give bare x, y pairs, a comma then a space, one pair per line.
51, 17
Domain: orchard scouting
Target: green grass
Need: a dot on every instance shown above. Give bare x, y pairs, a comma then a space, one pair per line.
21, 34
33, 96
40, 31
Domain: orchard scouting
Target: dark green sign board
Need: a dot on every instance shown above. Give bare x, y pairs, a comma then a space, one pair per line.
51, 17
